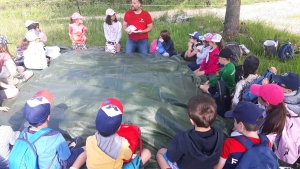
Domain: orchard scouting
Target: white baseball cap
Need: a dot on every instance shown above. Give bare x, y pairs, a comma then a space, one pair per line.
29, 22
214, 38
205, 36
31, 35
110, 12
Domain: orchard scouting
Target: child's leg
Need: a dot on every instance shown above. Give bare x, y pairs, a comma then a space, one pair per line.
161, 159
11, 92
145, 155
20, 69
80, 160
27, 74
118, 47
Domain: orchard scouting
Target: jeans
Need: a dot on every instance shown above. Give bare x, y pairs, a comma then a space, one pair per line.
140, 45
193, 66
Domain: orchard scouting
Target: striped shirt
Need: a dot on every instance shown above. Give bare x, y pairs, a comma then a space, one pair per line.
8, 137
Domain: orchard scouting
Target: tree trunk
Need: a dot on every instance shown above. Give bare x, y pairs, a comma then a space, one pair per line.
232, 18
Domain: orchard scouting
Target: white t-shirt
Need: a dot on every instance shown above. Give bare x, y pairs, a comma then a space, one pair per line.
113, 32
35, 56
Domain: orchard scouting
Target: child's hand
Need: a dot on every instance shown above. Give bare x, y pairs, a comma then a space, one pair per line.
156, 48
160, 39
190, 44
206, 83
5, 109
265, 81
273, 70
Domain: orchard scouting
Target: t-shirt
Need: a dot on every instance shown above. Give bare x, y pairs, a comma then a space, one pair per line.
140, 21
77, 33
113, 32
8, 137
52, 145
233, 150
227, 74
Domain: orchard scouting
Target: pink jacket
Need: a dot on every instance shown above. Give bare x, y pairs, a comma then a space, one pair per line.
76, 32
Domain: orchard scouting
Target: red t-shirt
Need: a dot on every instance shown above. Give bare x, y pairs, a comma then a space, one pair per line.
140, 21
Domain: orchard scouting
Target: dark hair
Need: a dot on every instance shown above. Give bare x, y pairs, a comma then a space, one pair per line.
108, 20
202, 110
24, 44
251, 127
72, 20
250, 68
275, 119
220, 44
165, 35
33, 26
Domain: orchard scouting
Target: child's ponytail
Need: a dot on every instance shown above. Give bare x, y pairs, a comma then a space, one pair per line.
72, 20
220, 44
24, 44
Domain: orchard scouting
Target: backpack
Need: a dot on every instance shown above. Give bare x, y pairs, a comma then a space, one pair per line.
222, 97
236, 50
160, 49
111, 47
24, 154
288, 146
133, 134
270, 46
286, 51
153, 46
257, 156
247, 95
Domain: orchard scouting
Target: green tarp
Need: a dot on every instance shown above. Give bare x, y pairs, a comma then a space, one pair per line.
153, 89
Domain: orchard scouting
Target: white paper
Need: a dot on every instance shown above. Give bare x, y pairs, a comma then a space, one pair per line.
130, 28
136, 31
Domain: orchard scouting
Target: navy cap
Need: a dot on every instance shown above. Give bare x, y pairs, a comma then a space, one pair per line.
246, 112
289, 79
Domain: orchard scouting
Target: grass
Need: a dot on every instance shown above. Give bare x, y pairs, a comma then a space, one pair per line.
57, 30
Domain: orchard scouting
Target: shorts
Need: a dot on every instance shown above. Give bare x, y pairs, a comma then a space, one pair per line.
74, 154
79, 46
172, 165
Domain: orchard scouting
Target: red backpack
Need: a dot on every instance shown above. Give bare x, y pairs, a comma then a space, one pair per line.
133, 134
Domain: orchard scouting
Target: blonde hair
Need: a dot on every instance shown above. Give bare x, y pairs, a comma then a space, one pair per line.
24, 44
4, 49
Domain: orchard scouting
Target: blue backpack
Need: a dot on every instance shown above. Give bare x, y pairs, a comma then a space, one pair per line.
257, 156
133, 164
24, 154
247, 95
286, 51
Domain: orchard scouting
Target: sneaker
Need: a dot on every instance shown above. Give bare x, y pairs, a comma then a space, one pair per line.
76, 143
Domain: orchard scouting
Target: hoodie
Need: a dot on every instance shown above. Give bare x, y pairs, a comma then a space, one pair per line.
193, 149
293, 102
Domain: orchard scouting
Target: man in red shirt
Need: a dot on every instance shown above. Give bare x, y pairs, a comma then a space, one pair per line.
137, 23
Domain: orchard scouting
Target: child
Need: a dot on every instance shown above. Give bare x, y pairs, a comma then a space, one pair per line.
77, 32
165, 44
290, 83
8, 137
52, 52
194, 46
227, 73
201, 55
210, 64
106, 149
10, 73
112, 29
199, 147
52, 149
248, 119
271, 97
34, 53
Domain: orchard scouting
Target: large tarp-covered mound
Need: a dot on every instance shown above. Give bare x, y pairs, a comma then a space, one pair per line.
153, 89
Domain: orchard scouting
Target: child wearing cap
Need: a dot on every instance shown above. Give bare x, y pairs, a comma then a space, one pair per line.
210, 64
201, 55
112, 29
248, 119
194, 46
106, 149
290, 83
52, 149
8, 138
34, 53
10, 73
77, 32
199, 147
227, 73
52, 52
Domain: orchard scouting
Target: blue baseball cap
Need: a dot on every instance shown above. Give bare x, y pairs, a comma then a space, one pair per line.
289, 79
195, 35
246, 112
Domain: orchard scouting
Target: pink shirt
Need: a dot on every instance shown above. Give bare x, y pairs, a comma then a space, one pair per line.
76, 32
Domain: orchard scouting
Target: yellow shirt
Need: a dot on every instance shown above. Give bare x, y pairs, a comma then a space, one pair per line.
97, 159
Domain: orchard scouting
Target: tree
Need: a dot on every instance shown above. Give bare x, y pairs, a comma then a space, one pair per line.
232, 18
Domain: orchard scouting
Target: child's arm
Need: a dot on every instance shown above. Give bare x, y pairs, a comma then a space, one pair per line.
221, 163
190, 51
11, 67
105, 28
71, 33
84, 29
173, 152
119, 36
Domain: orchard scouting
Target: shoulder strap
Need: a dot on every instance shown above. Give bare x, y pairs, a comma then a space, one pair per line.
245, 141
38, 134
263, 139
